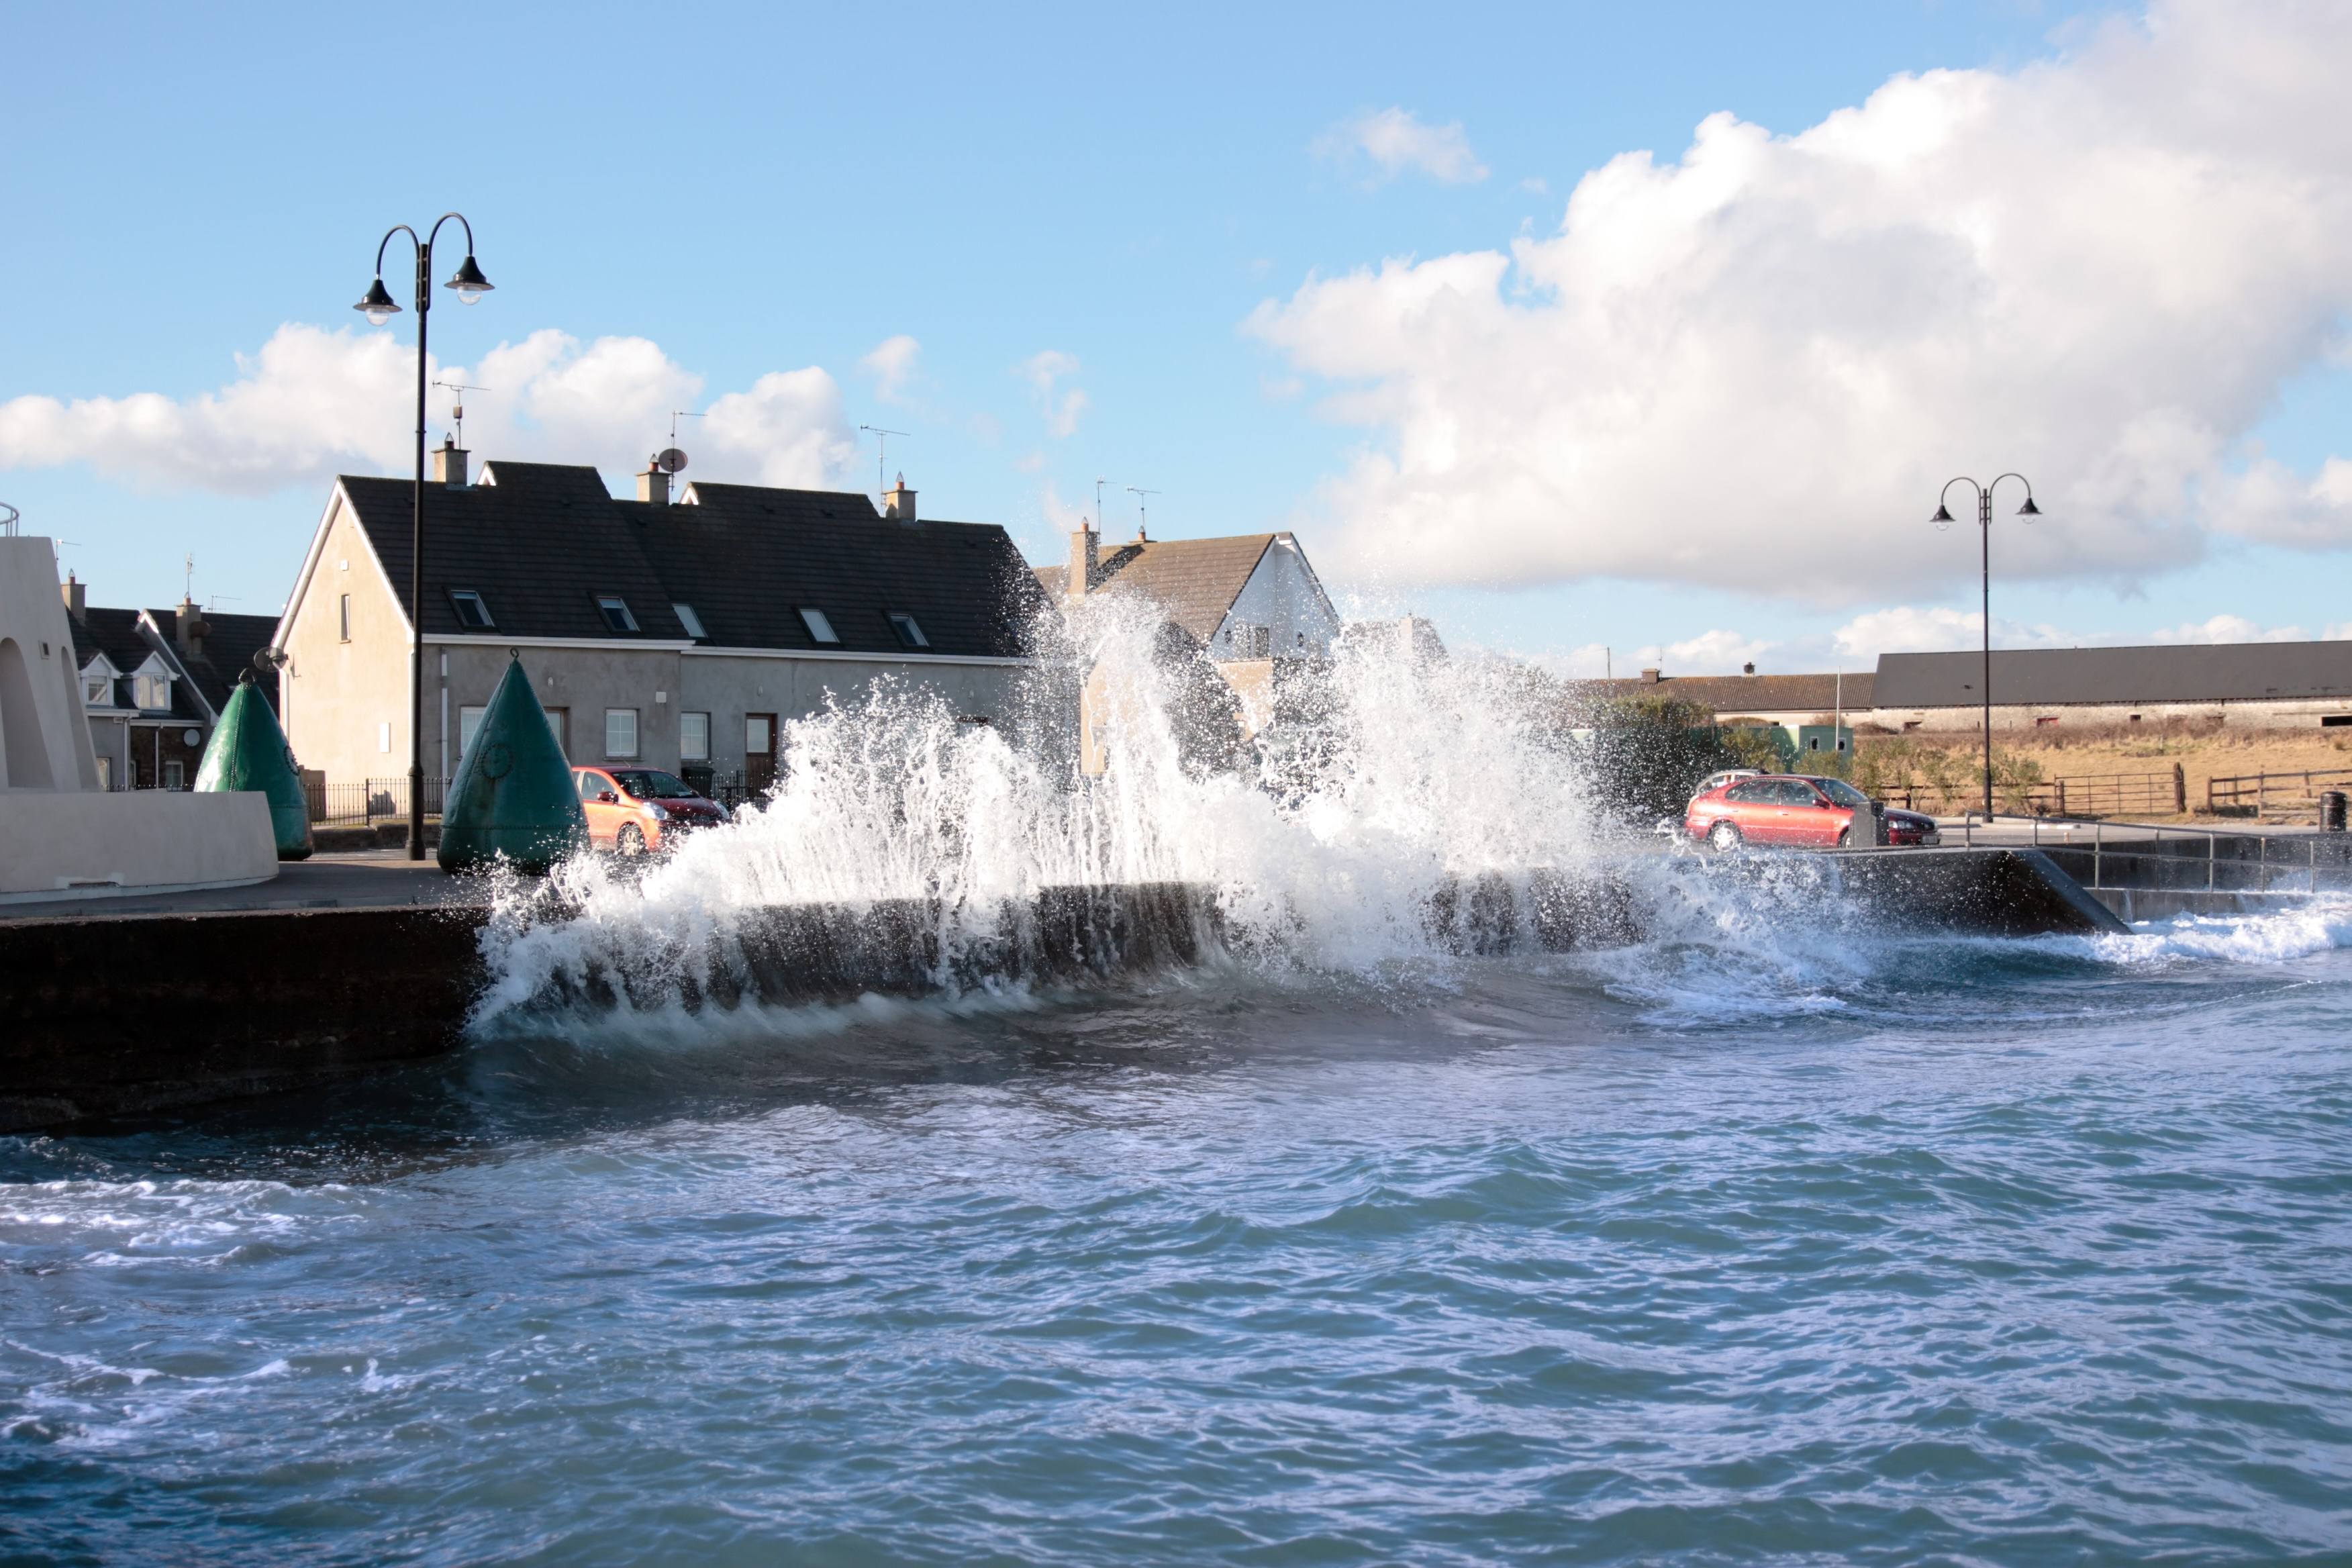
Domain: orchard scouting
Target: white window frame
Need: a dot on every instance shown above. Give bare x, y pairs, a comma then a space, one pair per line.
146, 684
96, 691
909, 630
175, 774
615, 717
690, 621
820, 626
469, 724
606, 604
343, 621
689, 749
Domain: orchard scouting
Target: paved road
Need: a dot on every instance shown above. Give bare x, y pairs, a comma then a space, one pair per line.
373, 879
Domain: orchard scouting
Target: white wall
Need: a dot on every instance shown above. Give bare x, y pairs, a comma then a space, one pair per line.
1283, 596
44, 738
77, 844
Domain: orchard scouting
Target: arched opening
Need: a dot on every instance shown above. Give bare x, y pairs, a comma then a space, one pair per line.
20, 723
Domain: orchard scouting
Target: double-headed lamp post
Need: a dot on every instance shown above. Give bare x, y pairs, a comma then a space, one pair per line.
1944, 519
379, 307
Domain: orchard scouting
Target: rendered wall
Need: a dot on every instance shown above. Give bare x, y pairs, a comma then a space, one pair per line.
334, 695
43, 739
74, 842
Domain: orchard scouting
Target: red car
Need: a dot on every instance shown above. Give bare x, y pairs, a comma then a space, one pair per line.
636, 811
1792, 809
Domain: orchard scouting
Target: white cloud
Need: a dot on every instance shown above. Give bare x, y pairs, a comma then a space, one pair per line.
1716, 652
891, 363
1044, 371
1752, 368
314, 403
2229, 628
1395, 141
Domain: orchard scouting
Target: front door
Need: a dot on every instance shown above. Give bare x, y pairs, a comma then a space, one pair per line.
759, 752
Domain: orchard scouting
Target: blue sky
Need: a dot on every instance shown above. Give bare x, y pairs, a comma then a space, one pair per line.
757, 190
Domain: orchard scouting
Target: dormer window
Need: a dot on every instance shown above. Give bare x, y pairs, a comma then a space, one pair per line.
472, 613
615, 611
96, 691
911, 634
151, 693
819, 626
690, 621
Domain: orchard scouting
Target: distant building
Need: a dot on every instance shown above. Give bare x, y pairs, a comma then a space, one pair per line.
1248, 606
2258, 686
154, 682
1791, 702
677, 634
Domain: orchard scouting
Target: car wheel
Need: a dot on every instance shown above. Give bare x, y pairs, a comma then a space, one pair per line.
1723, 836
630, 842
1846, 838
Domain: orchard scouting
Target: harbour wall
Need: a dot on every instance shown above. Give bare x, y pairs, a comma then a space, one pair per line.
131, 1015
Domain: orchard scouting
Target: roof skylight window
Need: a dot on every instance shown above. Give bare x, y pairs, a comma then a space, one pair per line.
819, 626
909, 633
615, 611
690, 621
472, 613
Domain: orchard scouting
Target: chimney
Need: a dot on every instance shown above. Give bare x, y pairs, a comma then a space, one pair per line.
1082, 561
898, 503
76, 605
653, 485
1650, 675
449, 464
189, 627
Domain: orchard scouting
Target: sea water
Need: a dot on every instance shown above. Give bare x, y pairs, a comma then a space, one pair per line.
1767, 1239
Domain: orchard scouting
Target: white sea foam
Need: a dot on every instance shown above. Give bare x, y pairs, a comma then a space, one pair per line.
2271, 936
1420, 772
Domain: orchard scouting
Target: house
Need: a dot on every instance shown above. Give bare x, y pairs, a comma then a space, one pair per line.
1250, 606
677, 633
1817, 711
2258, 686
154, 682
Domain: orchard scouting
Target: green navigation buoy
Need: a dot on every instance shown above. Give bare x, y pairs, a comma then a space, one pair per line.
513, 793
248, 752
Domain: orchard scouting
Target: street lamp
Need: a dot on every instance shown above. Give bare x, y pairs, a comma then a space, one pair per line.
378, 307
1943, 519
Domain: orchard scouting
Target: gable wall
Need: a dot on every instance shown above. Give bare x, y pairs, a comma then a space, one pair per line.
1281, 594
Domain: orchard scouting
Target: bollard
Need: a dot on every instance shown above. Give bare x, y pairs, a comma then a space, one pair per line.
2331, 811
1868, 828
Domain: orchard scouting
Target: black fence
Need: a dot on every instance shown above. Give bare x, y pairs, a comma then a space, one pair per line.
369, 801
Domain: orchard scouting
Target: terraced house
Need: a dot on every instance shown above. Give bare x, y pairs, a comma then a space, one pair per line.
153, 683
671, 631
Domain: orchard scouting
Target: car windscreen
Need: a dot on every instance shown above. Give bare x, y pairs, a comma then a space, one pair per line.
652, 784
1842, 793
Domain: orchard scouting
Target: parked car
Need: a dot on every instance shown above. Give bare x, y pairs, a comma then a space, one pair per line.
1672, 827
638, 811
1792, 809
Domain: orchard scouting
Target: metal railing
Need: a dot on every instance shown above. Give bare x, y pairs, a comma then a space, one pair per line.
2269, 792
2108, 841
369, 801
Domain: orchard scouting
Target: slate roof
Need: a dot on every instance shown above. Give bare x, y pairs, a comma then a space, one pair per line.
541, 541
2222, 672
229, 652
117, 635
1731, 694
1194, 581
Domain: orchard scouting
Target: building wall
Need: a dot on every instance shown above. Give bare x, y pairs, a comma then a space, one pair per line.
337, 695
1282, 595
731, 686
2299, 714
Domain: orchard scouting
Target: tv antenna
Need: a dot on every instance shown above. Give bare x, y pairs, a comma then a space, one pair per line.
882, 451
1099, 482
1142, 517
457, 405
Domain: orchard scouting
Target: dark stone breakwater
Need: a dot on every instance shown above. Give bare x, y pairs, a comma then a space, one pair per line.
130, 1014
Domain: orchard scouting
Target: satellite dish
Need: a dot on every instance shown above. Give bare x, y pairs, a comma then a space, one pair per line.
669, 460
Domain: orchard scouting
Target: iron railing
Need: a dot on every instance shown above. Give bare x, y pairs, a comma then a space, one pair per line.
369, 801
